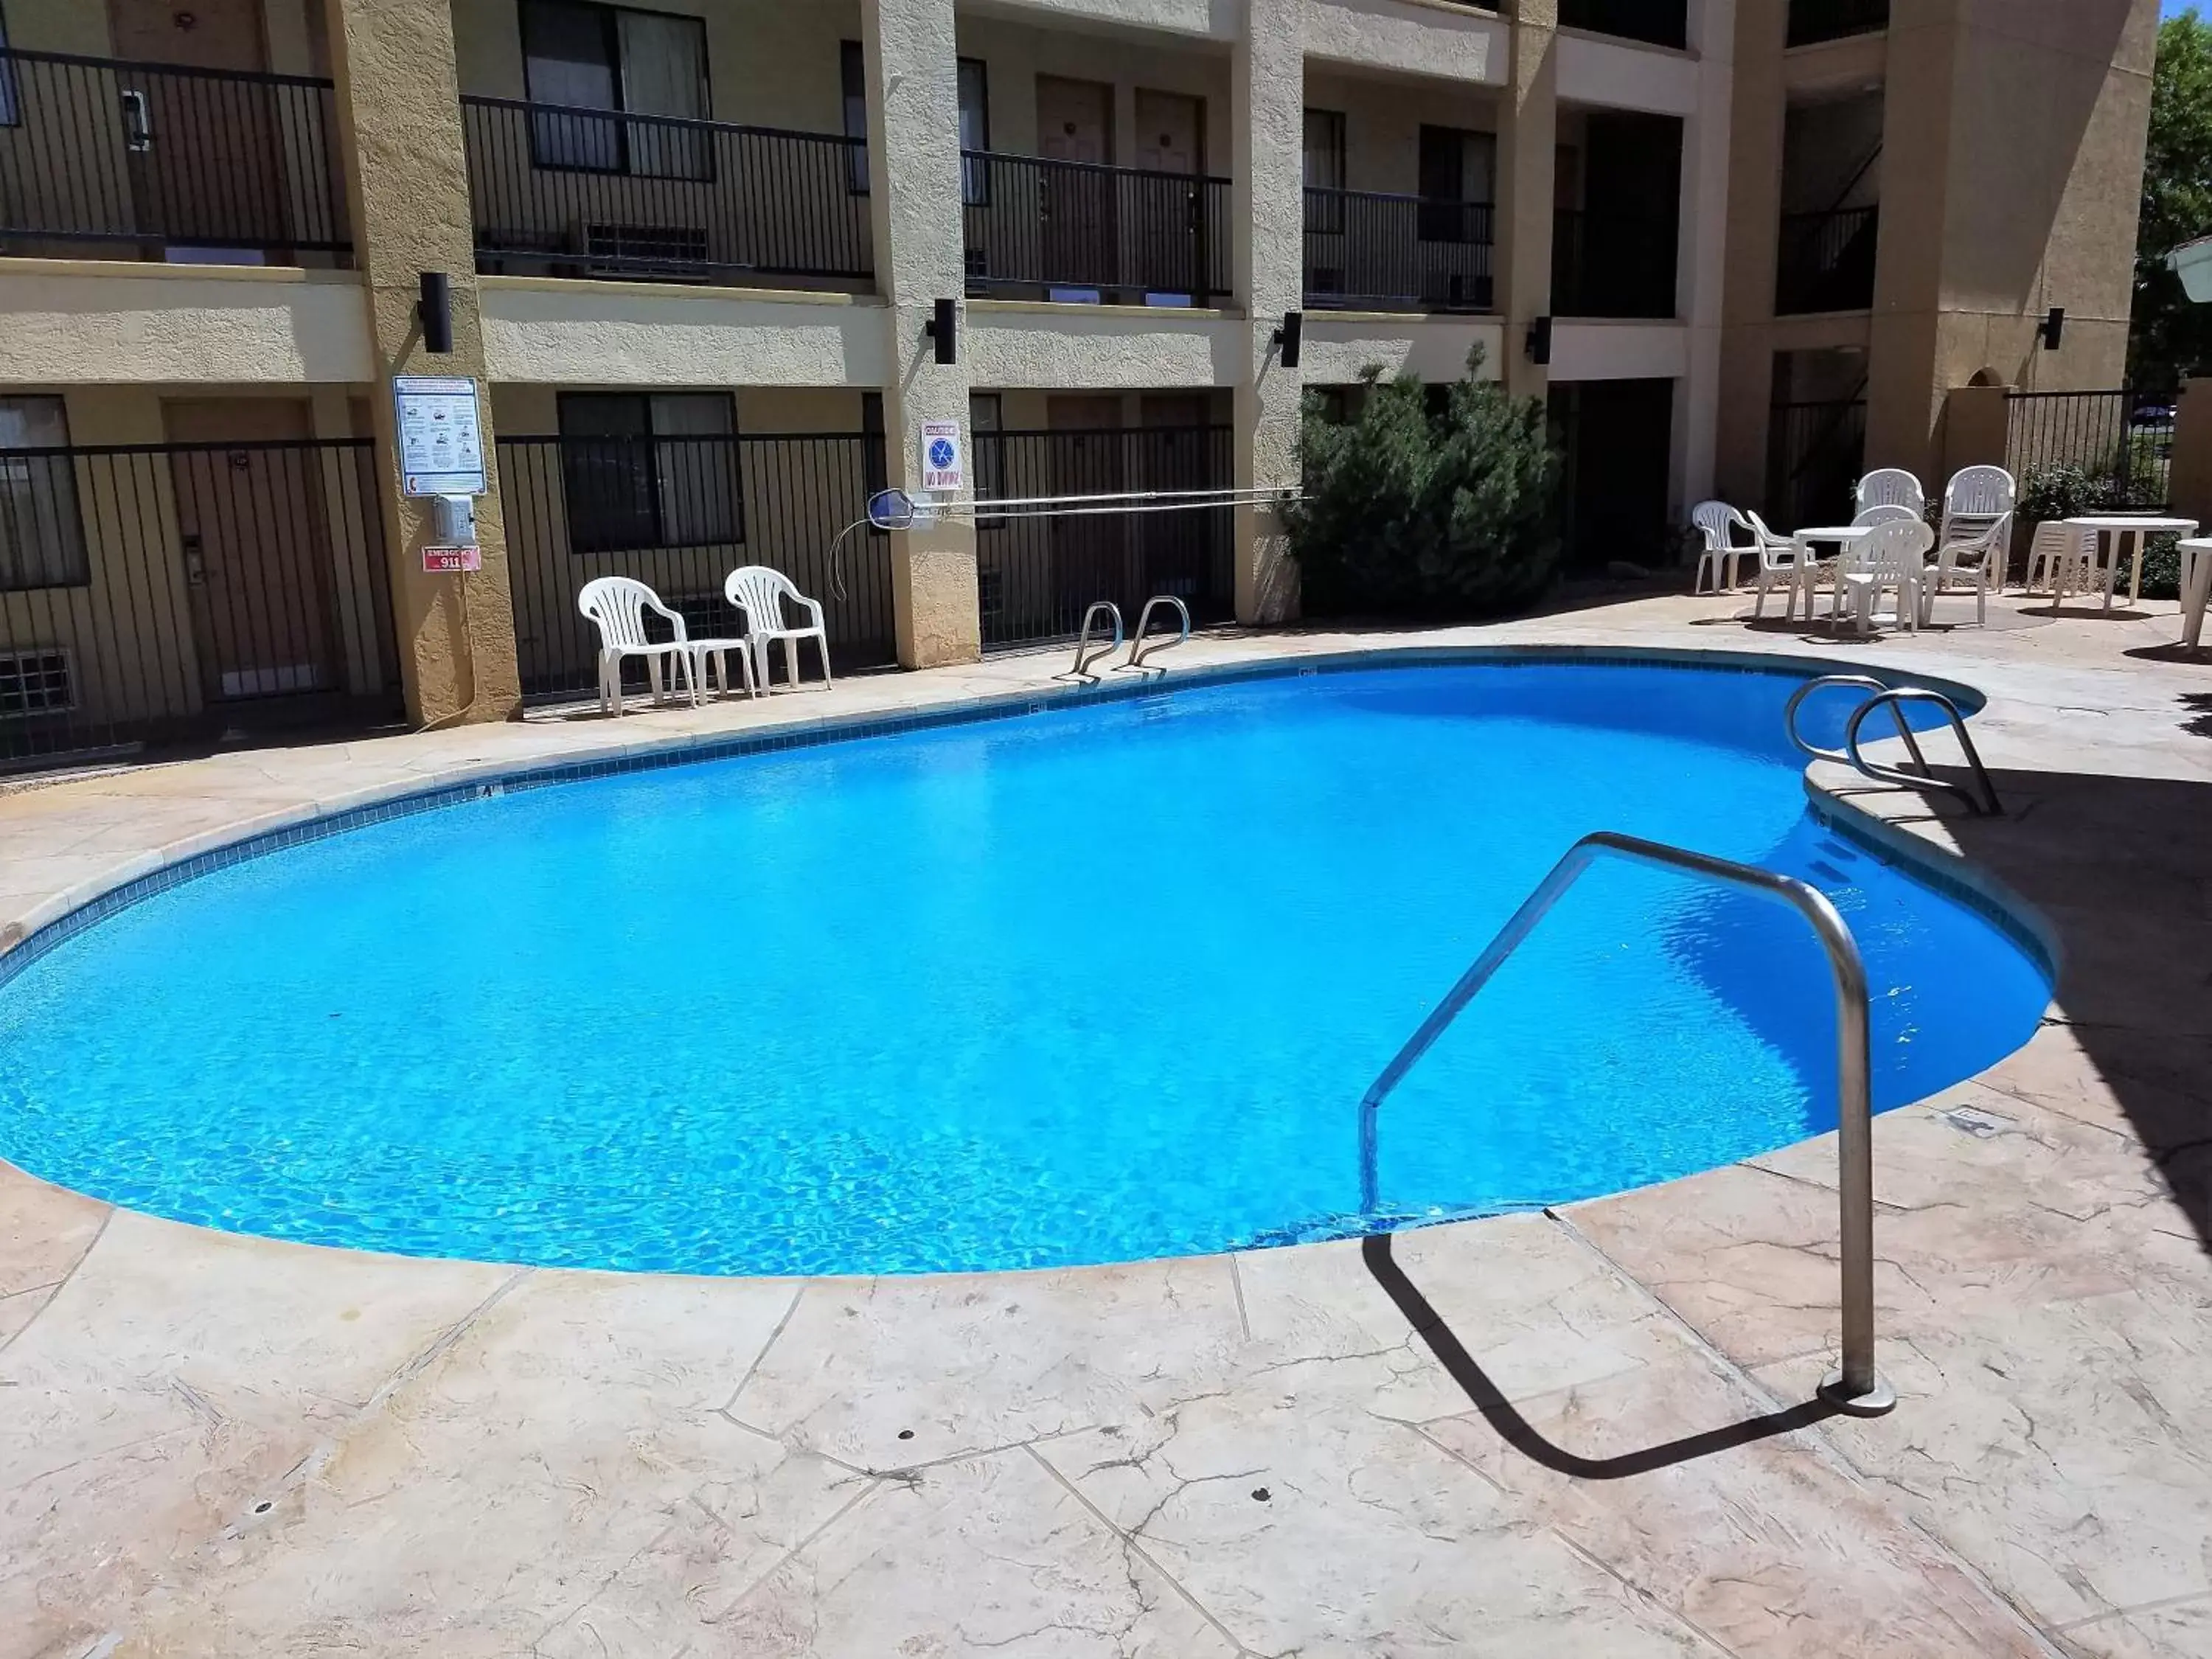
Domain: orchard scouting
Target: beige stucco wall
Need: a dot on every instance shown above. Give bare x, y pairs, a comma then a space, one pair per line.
1205, 19
108, 321
566, 333
1610, 73
1384, 118
1339, 345
1018, 344
1408, 37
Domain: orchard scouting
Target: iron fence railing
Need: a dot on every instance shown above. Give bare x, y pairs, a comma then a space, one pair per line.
1036, 576
1816, 453
1658, 22
1080, 230
1613, 263
1369, 249
2122, 440
571, 191
1826, 261
1812, 21
152, 593
98, 152
679, 513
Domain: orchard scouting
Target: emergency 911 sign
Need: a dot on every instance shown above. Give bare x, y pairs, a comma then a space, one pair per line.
942, 465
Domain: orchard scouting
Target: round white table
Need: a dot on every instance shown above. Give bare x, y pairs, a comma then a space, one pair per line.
2121, 527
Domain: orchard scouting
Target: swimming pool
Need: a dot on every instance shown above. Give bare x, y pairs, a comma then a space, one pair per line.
1101, 983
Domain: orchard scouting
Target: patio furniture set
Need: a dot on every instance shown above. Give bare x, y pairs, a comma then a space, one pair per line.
616, 606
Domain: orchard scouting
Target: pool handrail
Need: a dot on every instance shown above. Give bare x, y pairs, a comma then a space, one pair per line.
1861, 681
1854, 1386
1138, 649
1982, 798
1083, 639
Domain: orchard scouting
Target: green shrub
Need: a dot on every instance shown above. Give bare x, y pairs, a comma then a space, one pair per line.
1422, 506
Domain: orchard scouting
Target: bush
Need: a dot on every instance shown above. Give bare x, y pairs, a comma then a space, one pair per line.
1425, 506
2072, 492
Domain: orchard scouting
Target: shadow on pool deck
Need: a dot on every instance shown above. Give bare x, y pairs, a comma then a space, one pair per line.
1520, 1434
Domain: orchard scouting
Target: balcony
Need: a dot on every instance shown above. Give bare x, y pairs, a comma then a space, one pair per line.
1079, 232
1373, 251
1613, 263
1826, 261
562, 191
1812, 21
1656, 23
104, 158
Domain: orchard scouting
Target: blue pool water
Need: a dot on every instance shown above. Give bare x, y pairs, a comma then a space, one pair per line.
1096, 984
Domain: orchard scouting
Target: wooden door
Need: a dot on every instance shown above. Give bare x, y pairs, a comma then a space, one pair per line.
1169, 234
1175, 447
1092, 553
250, 520
207, 162
1075, 123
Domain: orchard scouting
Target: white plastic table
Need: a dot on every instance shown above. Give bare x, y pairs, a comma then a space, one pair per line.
1846, 537
2196, 589
2120, 526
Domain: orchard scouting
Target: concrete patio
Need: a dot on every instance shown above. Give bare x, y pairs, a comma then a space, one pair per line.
1578, 1433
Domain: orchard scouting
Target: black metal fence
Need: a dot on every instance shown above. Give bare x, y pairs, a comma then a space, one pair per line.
1038, 575
1613, 263
152, 593
1814, 21
580, 192
96, 152
1815, 453
2122, 440
1826, 261
679, 514
1660, 22
1122, 233
1368, 249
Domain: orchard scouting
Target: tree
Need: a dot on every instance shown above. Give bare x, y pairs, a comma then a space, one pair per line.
2171, 338
1434, 501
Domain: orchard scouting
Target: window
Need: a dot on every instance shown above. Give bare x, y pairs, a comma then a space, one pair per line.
853, 71
650, 471
9, 117
589, 57
1457, 172
1324, 170
35, 682
41, 534
974, 128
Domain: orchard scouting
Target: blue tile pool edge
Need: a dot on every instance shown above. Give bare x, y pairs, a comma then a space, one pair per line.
2004, 910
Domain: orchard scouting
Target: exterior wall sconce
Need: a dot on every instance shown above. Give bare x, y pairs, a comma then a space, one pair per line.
434, 310
943, 327
2052, 329
1539, 343
1290, 337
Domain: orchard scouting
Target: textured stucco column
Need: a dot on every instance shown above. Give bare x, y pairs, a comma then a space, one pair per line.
914, 161
1701, 277
1976, 431
407, 190
1527, 141
1266, 91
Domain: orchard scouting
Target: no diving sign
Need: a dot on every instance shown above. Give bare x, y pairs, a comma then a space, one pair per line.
944, 467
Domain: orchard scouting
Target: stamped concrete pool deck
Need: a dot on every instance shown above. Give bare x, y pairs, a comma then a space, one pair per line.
1581, 1432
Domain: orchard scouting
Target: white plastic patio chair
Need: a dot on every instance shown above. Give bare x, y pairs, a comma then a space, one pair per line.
1718, 523
1890, 486
1977, 562
760, 592
2060, 557
1891, 559
616, 605
1885, 513
1976, 497
1782, 562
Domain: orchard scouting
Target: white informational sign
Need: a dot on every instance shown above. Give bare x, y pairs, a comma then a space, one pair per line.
440, 434
944, 467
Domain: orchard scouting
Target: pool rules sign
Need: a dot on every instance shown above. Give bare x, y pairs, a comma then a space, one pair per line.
944, 465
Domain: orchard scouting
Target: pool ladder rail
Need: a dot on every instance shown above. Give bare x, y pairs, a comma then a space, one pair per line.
1854, 1386
1981, 798
1139, 647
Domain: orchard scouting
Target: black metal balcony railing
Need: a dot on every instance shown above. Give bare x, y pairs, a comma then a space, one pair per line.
1610, 263
562, 191
1826, 261
1659, 22
1125, 233
98, 152
1364, 248
1812, 21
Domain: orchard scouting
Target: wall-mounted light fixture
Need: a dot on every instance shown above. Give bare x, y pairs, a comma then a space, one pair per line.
943, 327
1291, 337
1538, 345
2052, 329
435, 312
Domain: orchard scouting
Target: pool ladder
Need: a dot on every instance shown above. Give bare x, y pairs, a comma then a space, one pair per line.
1981, 798
1854, 1386
1140, 647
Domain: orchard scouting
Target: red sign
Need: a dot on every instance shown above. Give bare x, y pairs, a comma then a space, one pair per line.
441, 560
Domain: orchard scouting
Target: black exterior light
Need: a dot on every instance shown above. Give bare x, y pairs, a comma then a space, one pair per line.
1539, 343
1290, 337
943, 327
2052, 329
435, 311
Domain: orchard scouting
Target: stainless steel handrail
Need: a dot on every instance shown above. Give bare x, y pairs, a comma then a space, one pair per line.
1138, 649
1083, 640
1861, 681
1854, 1386
1983, 798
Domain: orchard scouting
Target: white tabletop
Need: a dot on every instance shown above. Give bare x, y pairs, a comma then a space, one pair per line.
2119, 523
1833, 532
